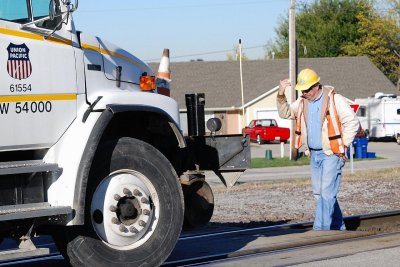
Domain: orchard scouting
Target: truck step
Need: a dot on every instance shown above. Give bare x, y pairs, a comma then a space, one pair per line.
28, 166
33, 210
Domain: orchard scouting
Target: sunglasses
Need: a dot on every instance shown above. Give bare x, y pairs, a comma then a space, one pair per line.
309, 89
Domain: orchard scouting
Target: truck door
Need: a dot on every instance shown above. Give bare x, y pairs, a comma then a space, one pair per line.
38, 78
252, 127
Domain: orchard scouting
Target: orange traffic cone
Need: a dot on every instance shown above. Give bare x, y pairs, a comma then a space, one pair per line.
163, 75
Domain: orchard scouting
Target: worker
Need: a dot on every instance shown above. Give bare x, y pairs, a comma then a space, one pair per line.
325, 127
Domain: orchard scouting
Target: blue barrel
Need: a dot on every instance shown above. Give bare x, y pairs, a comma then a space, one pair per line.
355, 145
364, 145
359, 152
364, 152
360, 147
363, 141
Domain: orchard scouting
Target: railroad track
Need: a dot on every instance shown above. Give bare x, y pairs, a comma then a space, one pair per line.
244, 242
205, 247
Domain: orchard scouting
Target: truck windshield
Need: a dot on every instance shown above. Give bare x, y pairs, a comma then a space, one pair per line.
18, 10
40, 8
14, 10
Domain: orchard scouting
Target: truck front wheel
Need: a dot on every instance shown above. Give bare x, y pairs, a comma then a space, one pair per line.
134, 208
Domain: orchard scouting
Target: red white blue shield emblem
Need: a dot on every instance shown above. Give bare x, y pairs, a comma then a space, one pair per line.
18, 66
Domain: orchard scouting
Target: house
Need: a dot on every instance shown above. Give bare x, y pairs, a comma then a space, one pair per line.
353, 77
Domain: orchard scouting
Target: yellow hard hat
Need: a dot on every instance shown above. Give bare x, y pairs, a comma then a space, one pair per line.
306, 79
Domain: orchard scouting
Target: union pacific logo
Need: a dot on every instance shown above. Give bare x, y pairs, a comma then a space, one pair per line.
18, 65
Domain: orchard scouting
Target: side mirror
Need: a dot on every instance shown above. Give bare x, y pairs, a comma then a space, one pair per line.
71, 6
52, 10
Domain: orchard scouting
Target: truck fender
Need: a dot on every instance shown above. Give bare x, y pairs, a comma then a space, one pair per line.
126, 108
93, 142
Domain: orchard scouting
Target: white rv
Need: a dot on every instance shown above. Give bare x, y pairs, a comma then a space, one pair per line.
380, 115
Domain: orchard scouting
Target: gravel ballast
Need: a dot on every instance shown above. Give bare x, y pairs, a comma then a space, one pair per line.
291, 201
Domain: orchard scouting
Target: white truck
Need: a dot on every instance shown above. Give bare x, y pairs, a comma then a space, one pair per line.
380, 116
90, 149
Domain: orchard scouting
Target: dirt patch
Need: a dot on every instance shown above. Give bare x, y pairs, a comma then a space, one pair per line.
292, 200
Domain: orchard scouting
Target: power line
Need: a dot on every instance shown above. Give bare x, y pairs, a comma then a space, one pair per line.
206, 53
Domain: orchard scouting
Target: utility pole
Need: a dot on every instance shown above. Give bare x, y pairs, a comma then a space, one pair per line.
292, 72
398, 72
241, 81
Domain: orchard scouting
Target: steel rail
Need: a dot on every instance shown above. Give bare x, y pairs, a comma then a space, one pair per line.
358, 226
219, 259
361, 222
366, 223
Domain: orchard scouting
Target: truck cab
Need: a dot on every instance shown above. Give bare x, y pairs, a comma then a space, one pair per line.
39, 82
91, 150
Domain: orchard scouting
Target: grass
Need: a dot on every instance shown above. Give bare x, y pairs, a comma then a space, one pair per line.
278, 162
285, 162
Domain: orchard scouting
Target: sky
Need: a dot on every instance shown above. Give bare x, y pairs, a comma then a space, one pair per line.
206, 29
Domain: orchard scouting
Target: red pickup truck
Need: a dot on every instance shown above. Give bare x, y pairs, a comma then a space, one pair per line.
265, 130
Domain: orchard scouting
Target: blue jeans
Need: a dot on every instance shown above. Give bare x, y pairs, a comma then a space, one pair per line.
326, 172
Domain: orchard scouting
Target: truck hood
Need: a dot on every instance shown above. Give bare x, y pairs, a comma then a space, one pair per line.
113, 57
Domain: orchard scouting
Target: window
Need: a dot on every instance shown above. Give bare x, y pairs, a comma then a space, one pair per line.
361, 111
17, 11
14, 10
40, 8
266, 122
251, 124
398, 111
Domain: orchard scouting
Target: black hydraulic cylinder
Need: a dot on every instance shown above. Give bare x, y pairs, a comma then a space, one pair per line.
195, 114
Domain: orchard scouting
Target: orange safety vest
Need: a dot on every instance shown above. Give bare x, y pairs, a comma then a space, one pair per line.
297, 132
334, 126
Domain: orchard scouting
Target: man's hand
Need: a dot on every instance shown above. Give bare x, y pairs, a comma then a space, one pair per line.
343, 156
282, 86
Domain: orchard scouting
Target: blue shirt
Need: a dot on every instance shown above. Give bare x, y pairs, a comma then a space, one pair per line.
314, 122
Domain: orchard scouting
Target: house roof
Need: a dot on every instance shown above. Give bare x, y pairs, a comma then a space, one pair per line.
353, 77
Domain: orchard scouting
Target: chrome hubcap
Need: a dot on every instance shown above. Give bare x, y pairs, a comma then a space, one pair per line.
124, 209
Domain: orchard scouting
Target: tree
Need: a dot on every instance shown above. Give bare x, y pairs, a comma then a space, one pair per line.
379, 39
331, 28
321, 28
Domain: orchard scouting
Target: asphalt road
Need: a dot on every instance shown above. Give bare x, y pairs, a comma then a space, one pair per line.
389, 151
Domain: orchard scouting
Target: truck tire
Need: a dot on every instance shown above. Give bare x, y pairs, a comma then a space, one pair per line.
134, 208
